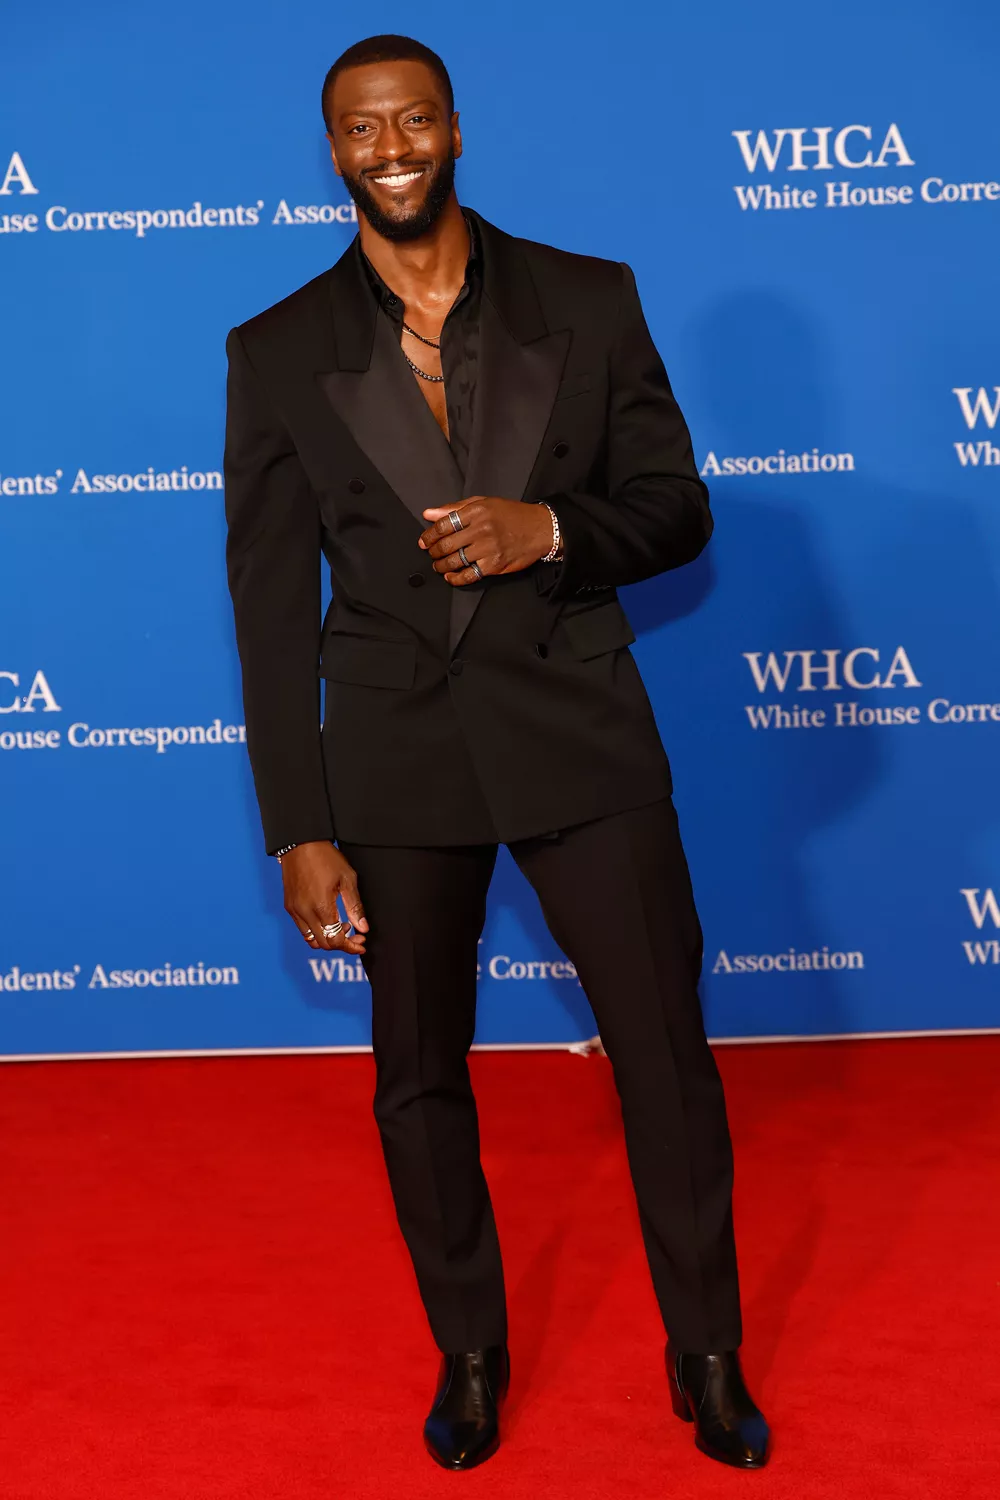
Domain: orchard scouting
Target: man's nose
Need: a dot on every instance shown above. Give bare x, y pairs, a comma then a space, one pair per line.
393, 143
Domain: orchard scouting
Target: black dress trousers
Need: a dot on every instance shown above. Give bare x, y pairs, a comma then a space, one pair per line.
617, 898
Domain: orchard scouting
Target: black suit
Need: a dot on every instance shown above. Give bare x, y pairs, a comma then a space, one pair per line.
502, 712
548, 723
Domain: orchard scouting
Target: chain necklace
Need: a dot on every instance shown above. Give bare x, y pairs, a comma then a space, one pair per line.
437, 379
429, 342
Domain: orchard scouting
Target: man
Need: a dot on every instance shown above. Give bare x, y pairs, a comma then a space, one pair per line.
479, 435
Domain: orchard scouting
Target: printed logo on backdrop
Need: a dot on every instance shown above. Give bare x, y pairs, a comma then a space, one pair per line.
978, 405
16, 979
139, 222
984, 911
780, 463
88, 482
20, 186
888, 672
30, 693
791, 961
338, 968
770, 157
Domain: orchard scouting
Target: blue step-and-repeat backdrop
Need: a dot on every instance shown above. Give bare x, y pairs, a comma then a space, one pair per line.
811, 203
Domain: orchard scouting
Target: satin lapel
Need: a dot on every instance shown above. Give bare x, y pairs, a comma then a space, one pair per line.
515, 390
392, 424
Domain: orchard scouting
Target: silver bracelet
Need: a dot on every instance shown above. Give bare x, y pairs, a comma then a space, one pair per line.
553, 551
278, 853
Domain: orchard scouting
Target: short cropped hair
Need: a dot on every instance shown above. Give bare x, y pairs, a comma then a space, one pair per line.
388, 48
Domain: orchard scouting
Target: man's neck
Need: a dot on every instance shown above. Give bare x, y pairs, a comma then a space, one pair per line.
427, 270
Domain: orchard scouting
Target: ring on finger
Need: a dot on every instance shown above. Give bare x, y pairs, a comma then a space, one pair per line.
456, 520
476, 569
310, 935
333, 929
463, 559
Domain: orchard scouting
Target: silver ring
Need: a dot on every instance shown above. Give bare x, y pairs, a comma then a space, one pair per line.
463, 559
456, 520
476, 569
333, 929
310, 934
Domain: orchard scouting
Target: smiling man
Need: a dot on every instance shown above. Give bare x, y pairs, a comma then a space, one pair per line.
479, 435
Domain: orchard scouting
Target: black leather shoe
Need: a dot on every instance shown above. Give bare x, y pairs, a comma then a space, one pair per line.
708, 1390
463, 1428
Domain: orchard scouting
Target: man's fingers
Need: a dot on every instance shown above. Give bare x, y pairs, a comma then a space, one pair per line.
325, 915
352, 902
469, 537
467, 575
328, 915
313, 935
311, 879
301, 920
443, 526
344, 941
485, 554
458, 566
304, 929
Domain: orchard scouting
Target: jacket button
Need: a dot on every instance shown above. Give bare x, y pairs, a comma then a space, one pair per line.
456, 668
356, 486
542, 650
560, 450
416, 580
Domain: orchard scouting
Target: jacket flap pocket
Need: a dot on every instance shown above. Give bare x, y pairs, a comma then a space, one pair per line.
368, 662
594, 631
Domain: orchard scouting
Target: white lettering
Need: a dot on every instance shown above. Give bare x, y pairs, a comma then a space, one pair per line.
832, 685
822, 162
840, 145
771, 669
981, 407
900, 667
893, 146
849, 674
762, 148
40, 689
979, 911
17, 172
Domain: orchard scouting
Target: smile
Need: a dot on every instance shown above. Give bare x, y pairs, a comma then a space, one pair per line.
398, 179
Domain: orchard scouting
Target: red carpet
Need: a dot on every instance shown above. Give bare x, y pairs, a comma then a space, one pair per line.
204, 1294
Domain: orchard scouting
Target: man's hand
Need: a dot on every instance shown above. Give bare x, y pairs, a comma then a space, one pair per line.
314, 875
500, 536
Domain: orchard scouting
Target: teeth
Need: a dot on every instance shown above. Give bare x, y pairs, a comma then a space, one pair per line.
397, 178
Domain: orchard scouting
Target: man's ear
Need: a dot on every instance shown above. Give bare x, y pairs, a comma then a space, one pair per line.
333, 155
456, 136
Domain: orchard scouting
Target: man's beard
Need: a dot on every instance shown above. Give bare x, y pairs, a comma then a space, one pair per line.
419, 220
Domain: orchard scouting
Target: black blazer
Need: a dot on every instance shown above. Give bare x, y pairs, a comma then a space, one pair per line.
493, 712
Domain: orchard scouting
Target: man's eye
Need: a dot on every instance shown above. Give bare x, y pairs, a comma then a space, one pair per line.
355, 128
417, 120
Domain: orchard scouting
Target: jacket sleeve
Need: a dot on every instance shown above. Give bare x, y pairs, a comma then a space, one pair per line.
273, 560
656, 514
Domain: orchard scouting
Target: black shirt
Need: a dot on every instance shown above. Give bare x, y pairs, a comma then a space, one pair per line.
459, 343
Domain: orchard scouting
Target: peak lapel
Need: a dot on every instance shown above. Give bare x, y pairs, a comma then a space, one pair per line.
520, 366
377, 399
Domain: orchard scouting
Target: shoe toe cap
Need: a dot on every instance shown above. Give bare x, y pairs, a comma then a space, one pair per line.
745, 1445
459, 1445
